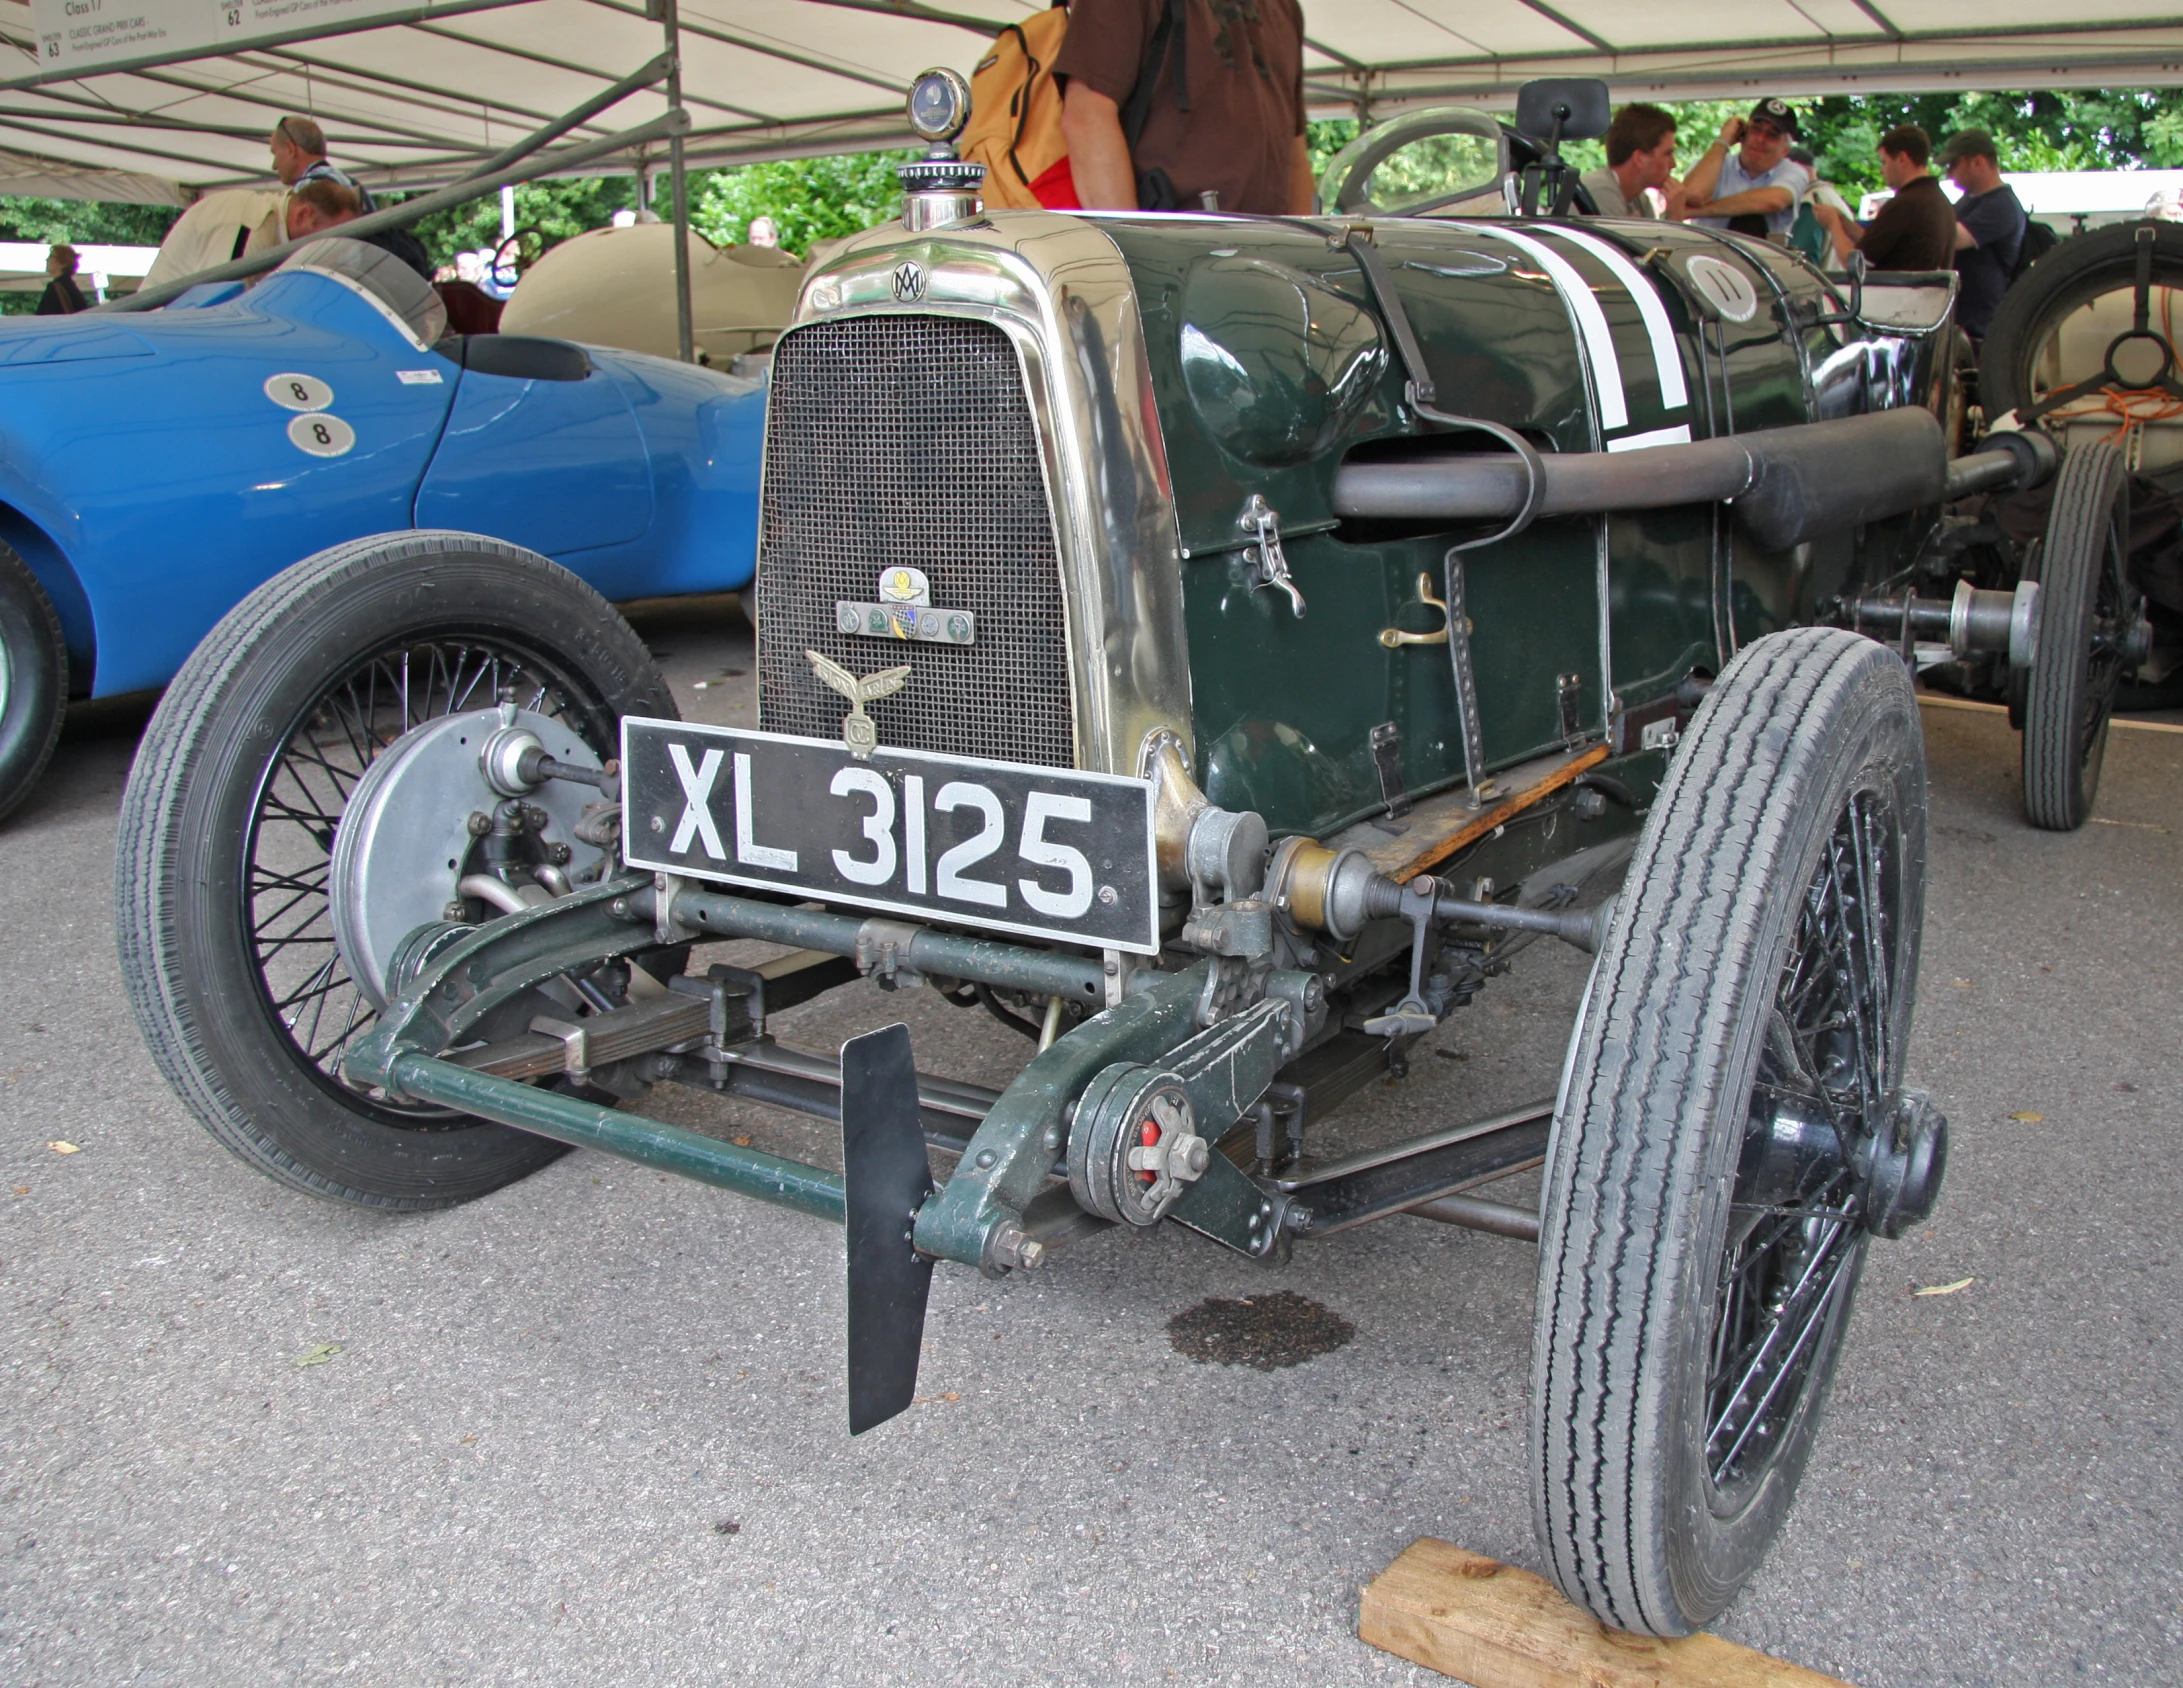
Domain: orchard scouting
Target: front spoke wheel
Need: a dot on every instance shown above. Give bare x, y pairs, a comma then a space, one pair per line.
1735, 1069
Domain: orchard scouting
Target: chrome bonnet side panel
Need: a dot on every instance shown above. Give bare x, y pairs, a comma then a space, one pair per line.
1060, 289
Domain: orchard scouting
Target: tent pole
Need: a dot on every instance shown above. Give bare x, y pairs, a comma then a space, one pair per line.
642, 77
678, 185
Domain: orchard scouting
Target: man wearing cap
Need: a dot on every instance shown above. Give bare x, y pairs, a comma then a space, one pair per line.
1754, 188
1916, 229
1990, 223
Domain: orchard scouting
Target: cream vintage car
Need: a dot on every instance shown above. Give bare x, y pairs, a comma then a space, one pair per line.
616, 287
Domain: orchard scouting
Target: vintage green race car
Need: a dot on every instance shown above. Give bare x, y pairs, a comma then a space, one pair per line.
1220, 643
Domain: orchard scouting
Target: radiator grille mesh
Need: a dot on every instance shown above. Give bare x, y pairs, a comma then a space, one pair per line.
907, 439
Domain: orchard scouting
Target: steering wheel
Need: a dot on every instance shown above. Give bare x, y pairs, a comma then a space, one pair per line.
513, 256
1345, 183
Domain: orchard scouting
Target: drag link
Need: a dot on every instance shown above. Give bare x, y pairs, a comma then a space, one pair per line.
1317, 889
1583, 928
889, 946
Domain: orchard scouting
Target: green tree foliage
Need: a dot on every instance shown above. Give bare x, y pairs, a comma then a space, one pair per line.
809, 199
813, 199
2088, 130
84, 222
1324, 139
556, 209
77, 222
2123, 129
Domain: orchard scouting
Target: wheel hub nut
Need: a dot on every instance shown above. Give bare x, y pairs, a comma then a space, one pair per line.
1909, 1159
1134, 1146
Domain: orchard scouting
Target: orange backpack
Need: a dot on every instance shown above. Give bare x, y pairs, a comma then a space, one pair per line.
1015, 116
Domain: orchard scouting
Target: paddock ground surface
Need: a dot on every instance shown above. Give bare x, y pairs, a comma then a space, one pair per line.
590, 1429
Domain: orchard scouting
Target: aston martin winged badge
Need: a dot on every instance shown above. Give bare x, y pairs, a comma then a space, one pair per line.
857, 730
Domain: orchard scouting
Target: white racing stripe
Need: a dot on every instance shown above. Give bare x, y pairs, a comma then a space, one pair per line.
1667, 357
1591, 321
1677, 435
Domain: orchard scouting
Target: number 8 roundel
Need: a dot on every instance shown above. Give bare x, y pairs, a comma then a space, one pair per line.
321, 434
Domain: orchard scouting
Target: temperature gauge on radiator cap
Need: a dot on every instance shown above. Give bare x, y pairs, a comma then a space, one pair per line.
939, 106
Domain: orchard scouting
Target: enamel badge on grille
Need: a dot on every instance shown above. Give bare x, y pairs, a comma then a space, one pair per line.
905, 611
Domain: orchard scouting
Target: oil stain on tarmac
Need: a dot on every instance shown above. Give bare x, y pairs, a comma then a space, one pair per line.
1266, 1332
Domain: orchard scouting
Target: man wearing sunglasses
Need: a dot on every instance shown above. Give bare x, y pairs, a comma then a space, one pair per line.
299, 155
1746, 181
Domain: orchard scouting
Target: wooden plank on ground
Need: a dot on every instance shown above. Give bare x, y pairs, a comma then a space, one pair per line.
1494, 1626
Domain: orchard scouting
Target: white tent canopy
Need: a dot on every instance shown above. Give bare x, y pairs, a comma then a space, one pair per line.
42, 178
425, 93
1396, 52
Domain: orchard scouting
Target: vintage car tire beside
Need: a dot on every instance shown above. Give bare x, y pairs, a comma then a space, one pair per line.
33, 679
2076, 273
207, 815
1798, 797
2065, 355
2086, 607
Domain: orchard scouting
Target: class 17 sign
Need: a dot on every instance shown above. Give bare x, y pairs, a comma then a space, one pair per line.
86, 36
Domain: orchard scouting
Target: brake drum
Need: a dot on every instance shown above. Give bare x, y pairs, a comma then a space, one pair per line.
406, 838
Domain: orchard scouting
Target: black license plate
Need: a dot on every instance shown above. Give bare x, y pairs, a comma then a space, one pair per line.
1041, 852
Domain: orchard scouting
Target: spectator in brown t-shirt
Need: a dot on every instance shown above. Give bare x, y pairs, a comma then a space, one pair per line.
1227, 110
1916, 230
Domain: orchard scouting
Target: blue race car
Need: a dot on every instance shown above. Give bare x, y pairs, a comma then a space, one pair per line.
156, 468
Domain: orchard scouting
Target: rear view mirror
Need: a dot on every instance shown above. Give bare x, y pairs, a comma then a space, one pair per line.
1548, 112
1554, 109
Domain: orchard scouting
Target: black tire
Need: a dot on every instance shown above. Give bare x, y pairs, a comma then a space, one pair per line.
1653, 1499
2079, 270
230, 811
33, 679
2086, 611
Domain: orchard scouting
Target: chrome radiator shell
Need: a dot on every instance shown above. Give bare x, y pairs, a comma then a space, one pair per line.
907, 439
1059, 291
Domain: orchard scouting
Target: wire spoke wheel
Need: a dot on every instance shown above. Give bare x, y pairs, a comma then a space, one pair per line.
2113, 611
1738, 1057
307, 782
234, 810
1796, 1238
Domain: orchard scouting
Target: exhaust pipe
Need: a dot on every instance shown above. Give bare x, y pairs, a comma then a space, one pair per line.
1787, 484
2015, 460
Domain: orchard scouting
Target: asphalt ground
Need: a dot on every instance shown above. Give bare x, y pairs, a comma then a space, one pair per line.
590, 1430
